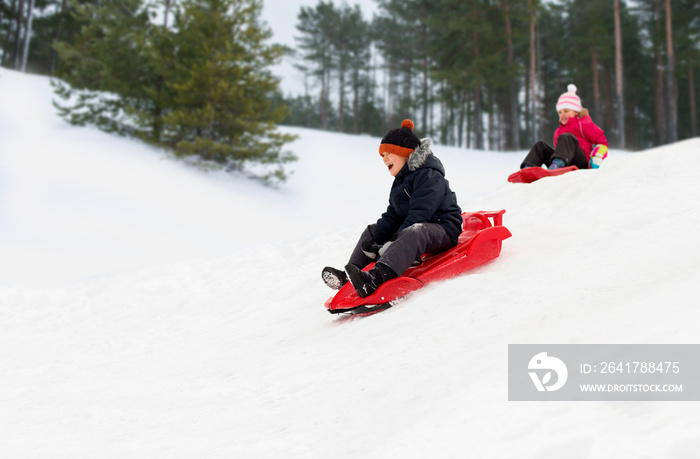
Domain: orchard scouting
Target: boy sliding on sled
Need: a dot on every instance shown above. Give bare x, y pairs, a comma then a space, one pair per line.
422, 217
577, 141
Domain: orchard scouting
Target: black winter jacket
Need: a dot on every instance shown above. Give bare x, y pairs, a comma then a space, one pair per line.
420, 194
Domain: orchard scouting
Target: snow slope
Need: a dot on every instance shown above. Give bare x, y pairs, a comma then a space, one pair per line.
150, 310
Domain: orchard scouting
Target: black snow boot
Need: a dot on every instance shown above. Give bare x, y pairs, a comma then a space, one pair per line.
367, 282
334, 278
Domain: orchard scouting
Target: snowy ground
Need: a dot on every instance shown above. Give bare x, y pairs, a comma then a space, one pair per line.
150, 310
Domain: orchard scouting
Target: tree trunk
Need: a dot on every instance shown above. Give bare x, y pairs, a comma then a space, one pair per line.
424, 114
57, 37
342, 54
539, 96
167, 13
460, 122
307, 117
160, 82
18, 33
533, 110
491, 130
443, 113
8, 38
672, 109
324, 100
369, 91
503, 132
691, 95
596, 87
618, 72
512, 123
366, 97
355, 102
609, 95
388, 96
528, 105
451, 126
659, 100
407, 87
478, 129
430, 95
341, 98
466, 128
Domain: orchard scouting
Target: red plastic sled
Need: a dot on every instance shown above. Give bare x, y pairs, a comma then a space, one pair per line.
479, 242
532, 174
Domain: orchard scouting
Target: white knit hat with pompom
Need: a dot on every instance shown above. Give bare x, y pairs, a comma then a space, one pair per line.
570, 100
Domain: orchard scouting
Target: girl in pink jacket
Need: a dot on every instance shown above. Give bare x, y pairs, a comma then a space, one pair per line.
577, 141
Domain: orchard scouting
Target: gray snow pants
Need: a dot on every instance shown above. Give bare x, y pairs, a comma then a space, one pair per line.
567, 149
408, 247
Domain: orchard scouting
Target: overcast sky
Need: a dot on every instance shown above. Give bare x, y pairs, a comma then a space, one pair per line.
281, 17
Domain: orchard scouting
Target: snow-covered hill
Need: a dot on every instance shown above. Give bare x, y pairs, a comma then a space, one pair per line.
154, 311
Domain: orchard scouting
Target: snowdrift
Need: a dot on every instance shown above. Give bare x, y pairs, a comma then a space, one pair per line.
154, 311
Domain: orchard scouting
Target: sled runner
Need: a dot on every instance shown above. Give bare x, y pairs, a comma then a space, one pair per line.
479, 242
532, 174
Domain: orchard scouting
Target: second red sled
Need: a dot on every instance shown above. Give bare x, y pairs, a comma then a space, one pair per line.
532, 174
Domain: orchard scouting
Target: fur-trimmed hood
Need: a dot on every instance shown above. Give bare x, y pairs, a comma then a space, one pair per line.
423, 156
420, 154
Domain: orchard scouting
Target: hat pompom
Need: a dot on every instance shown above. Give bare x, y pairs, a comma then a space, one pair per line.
572, 88
407, 124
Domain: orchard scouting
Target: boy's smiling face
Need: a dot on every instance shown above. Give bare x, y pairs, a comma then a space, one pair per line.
394, 162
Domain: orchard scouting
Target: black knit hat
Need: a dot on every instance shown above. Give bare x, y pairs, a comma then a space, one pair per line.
401, 141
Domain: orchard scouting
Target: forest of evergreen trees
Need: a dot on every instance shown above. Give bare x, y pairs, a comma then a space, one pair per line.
193, 75
487, 73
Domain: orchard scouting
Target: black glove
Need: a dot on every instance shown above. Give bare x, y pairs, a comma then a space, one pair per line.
371, 249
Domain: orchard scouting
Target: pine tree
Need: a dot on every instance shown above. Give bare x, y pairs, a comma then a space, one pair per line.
220, 88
